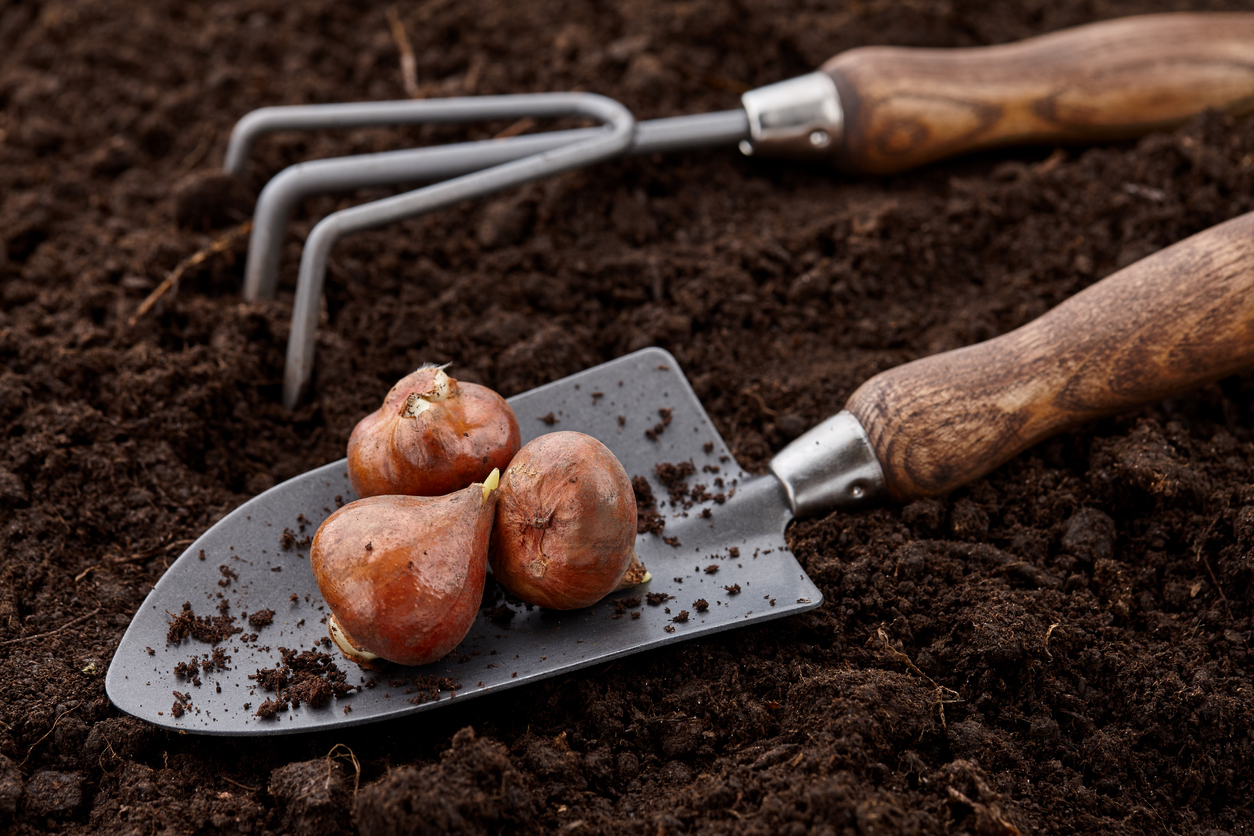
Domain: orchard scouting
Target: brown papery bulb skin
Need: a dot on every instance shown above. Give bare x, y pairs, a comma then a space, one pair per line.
432, 436
565, 528
403, 576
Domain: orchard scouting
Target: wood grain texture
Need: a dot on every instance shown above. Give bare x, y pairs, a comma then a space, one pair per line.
1173, 321
905, 107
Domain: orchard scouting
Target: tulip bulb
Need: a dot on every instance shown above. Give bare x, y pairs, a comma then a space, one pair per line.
403, 576
565, 529
432, 436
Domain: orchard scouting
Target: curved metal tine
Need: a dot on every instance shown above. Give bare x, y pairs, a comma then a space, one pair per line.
348, 115
421, 165
388, 168
606, 144
264, 244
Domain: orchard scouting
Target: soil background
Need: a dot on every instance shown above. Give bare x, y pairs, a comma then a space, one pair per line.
1061, 647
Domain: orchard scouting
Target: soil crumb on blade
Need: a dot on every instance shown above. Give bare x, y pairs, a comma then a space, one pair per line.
308, 676
648, 520
208, 629
675, 478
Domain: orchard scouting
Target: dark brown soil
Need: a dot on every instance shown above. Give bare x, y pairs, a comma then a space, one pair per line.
1062, 647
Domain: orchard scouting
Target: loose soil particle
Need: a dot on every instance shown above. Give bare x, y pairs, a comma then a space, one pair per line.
1067, 640
308, 676
660, 427
261, 618
675, 478
648, 520
209, 629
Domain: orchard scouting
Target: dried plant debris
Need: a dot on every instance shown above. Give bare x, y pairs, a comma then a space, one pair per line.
182, 703
308, 676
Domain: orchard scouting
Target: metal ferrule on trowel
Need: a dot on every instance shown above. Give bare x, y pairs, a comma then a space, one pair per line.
830, 466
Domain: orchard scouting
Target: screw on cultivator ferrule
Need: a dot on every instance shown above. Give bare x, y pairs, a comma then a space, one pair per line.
800, 118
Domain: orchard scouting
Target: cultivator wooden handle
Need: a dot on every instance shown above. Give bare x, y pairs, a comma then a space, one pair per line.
1173, 321
895, 108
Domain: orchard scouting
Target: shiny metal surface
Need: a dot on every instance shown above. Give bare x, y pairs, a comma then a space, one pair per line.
800, 118
831, 466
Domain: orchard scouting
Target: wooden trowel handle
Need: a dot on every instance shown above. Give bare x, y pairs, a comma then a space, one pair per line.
1173, 321
904, 107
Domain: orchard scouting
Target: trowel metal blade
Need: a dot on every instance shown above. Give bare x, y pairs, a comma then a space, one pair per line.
616, 402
